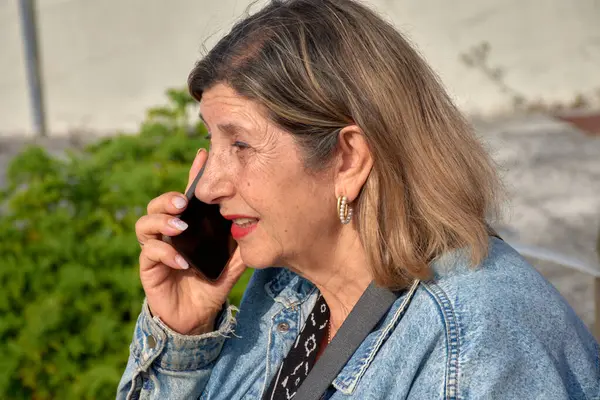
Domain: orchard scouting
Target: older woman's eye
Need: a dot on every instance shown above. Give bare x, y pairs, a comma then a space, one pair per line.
240, 145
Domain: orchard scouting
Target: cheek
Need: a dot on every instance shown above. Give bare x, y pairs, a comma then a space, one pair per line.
301, 214
291, 203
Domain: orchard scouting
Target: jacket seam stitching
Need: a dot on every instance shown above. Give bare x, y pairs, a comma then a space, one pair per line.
395, 320
366, 362
452, 337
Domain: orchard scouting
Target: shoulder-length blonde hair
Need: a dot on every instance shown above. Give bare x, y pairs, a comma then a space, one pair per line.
320, 65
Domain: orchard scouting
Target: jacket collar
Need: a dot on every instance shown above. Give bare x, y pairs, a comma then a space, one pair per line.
288, 288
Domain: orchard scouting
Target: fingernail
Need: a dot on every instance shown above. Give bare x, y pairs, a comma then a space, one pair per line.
200, 151
181, 262
178, 224
179, 202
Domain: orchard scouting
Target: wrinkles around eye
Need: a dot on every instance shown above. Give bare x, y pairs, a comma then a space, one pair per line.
240, 145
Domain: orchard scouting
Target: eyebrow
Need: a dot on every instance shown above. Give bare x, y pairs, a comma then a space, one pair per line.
228, 128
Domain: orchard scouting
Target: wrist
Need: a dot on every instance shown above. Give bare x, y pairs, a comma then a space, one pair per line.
209, 325
202, 329
206, 324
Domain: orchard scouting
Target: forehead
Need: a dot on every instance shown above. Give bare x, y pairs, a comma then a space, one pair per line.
224, 106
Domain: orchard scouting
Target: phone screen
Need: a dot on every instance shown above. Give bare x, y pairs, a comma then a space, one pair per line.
206, 244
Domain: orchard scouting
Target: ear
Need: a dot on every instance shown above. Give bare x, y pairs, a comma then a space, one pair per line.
353, 164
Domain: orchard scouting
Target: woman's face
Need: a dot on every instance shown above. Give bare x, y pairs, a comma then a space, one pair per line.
282, 213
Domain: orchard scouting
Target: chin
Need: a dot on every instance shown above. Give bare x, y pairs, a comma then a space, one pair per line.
257, 259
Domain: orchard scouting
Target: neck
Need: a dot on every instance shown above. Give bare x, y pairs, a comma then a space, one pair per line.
341, 276
341, 296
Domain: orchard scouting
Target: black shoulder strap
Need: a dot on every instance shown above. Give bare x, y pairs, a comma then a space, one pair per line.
371, 307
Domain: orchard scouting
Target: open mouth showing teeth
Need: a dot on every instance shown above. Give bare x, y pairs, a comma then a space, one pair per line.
245, 222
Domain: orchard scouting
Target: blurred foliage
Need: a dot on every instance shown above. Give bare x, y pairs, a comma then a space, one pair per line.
69, 257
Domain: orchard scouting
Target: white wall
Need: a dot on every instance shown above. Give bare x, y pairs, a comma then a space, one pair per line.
549, 49
14, 106
105, 62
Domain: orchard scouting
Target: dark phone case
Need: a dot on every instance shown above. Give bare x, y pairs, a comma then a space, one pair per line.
205, 244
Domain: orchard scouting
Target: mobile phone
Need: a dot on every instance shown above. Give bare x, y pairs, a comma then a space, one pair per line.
206, 244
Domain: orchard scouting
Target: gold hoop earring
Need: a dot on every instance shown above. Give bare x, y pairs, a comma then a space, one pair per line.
344, 210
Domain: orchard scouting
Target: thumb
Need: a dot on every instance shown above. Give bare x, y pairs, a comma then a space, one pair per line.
235, 267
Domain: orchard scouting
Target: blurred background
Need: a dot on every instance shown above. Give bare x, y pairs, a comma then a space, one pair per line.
95, 121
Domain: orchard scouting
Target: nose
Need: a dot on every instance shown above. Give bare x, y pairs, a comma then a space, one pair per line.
216, 183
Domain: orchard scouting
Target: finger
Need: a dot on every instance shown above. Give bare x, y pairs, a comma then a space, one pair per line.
167, 203
199, 161
235, 267
154, 225
158, 252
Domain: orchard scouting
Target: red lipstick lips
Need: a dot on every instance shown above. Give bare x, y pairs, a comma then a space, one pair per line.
238, 231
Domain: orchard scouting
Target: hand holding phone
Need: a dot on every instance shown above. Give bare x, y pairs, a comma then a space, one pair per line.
206, 244
182, 297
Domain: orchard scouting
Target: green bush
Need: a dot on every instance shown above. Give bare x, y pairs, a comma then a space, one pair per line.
69, 257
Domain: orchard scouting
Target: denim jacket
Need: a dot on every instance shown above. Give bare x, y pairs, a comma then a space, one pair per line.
497, 331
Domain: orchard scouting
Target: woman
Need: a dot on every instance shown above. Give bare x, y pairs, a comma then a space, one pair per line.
342, 161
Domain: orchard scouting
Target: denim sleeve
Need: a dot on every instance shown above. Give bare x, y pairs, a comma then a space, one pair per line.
536, 352
164, 364
533, 370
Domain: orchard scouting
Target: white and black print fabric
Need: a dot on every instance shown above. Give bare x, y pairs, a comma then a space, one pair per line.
302, 356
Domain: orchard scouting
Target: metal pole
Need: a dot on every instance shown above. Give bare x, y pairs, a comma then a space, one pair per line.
30, 41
